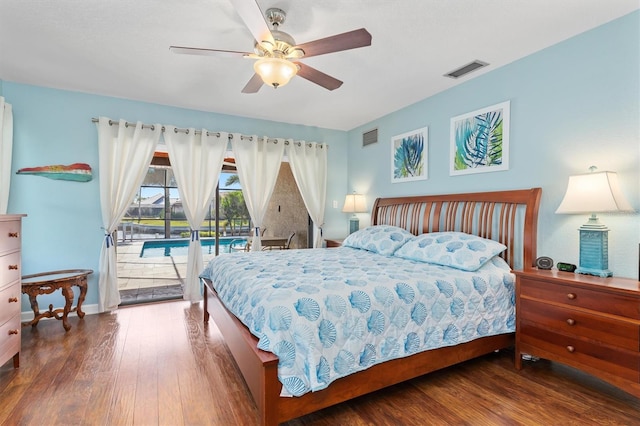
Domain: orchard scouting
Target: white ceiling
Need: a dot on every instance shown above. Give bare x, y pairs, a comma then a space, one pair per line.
120, 48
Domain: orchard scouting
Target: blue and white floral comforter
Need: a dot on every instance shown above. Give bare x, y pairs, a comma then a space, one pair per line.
327, 313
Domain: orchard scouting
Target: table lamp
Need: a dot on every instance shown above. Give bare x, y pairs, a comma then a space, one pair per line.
594, 192
354, 203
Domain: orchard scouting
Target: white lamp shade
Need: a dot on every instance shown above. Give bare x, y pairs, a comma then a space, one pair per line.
275, 72
354, 203
593, 193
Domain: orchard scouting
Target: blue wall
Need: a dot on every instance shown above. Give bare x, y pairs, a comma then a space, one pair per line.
63, 226
573, 105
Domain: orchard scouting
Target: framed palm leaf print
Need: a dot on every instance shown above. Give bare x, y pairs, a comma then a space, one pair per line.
480, 140
409, 156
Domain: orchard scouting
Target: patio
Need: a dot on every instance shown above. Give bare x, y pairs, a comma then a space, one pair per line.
145, 279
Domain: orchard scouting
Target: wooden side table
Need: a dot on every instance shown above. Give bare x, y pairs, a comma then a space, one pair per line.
334, 242
48, 282
587, 322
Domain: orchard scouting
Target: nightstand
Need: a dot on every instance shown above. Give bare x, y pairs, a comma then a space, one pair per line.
334, 242
587, 322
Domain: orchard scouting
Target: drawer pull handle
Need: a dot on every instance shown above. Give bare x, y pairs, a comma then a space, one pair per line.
13, 300
571, 296
13, 332
571, 349
571, 321
13, 235
13, 267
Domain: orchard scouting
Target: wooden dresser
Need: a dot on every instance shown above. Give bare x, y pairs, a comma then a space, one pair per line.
10, 291
587, 322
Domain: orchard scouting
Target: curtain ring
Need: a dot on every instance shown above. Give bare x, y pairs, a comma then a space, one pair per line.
153, 127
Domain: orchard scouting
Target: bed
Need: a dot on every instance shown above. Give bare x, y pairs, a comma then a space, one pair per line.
507, 217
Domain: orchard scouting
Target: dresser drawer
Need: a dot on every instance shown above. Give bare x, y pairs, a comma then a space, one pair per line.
579, 353
10, 269
10, 337
571, 322
9, 302
10, 236
612, 303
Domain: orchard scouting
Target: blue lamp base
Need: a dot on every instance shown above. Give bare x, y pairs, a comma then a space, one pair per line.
594, 249
354, 224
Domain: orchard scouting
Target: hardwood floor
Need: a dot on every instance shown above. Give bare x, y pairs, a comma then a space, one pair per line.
159, 364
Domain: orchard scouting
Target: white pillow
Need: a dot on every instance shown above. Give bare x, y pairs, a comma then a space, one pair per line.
455, 249
381, 239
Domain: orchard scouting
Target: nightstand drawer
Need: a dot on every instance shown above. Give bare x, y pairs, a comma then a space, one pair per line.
616, 304
571, 322
579, 353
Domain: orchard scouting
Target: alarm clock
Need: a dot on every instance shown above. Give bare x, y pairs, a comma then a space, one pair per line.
544, 262
566, 267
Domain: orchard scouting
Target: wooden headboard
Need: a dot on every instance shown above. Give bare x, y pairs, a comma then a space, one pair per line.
510, 217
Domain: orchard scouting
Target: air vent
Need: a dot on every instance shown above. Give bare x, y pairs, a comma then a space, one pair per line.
466, 69
370, 137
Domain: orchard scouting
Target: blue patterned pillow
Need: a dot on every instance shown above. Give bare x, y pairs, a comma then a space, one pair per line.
455, 249
381, 239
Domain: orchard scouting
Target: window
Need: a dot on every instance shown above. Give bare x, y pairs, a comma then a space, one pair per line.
157, 211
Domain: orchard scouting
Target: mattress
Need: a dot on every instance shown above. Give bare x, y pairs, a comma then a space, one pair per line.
327, 313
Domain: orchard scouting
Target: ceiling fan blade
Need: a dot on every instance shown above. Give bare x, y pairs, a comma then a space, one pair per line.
345, 41
253, 85
253, 18
207, 52
318, 77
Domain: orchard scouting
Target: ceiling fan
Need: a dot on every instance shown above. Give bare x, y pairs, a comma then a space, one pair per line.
276, 52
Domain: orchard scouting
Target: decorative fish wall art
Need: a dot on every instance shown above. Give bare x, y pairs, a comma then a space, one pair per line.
79, 172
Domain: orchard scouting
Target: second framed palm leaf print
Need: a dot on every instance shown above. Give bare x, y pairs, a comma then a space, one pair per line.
480, 140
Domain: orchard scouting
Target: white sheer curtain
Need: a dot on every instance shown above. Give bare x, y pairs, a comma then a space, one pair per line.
308, 161
124, 155
258, 163
196, 161
6, 149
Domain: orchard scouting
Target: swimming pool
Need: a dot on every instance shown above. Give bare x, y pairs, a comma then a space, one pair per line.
180, 247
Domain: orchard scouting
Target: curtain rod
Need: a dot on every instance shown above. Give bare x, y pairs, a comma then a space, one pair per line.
197, 132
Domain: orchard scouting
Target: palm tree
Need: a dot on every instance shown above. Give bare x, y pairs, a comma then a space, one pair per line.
232, 179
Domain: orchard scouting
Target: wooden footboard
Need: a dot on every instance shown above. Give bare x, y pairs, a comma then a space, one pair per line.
260, 372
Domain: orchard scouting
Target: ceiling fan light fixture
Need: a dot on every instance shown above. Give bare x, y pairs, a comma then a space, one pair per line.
295, 53
264, 48
280, 37
275, 72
